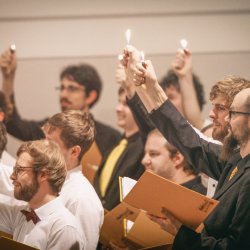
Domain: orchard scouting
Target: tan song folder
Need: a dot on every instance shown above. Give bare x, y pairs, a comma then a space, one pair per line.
153, 192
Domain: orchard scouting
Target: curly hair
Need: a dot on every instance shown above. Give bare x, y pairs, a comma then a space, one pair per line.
229, 87
47, 157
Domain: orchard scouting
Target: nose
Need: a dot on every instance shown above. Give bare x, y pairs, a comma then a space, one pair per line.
227, 119
212, 113
13, 176
145, 161
118, 107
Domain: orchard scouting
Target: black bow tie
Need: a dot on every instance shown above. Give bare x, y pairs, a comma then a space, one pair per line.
30, 215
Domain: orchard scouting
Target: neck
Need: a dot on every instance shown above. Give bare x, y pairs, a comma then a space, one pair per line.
245, 149
72, 164
181, 177
39, 200
130, 132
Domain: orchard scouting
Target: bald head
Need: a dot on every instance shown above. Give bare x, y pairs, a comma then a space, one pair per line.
242, 100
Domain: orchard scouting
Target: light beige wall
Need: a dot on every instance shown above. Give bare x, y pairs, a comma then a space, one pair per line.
52, 34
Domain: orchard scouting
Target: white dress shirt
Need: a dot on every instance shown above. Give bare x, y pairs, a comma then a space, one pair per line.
6, 186
80, 198
57, 229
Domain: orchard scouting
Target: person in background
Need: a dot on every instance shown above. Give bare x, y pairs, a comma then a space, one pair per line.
165, 160
80, 89
184, 88
123, 160
74, 132
43, 223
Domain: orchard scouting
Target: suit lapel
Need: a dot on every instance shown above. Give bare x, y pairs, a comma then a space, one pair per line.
242, 164
228, 184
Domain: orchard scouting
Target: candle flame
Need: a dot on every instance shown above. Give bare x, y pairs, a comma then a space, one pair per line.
13, 47
183, 43
120, 57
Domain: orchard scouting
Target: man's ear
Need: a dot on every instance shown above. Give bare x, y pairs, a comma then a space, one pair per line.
43, 176
91, 97
178, 160
75, 151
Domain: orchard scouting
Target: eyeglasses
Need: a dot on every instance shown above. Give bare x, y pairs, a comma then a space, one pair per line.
70, 89
18, 170
232, 113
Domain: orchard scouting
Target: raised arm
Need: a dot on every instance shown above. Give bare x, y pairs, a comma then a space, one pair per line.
182, 66
16, 126
170, 122
8, 66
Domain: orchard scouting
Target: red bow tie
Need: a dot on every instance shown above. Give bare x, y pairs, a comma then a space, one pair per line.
30, 215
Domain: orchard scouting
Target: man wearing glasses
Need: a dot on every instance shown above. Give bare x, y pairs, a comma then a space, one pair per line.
44, 223
80, 89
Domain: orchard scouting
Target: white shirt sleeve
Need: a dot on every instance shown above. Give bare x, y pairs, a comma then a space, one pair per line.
6, 186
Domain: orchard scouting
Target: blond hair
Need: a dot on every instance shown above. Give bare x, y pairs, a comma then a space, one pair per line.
47, 158
228, 88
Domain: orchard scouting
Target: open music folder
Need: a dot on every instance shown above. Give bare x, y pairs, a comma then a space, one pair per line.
153, 192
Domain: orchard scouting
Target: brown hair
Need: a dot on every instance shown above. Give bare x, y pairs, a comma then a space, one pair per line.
47, 157
77, 128
229, 87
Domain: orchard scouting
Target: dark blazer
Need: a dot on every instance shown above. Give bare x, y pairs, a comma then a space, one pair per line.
228, 226
128, 164
25, 130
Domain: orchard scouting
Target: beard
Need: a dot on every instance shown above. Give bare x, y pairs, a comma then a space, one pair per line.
27, 192
221, 134
229, 146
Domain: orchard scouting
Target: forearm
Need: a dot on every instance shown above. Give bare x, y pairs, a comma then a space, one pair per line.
8, 85
190, 105
151, 96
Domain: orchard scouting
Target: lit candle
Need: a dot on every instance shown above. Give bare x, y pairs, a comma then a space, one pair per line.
12, 48
184, 44
142, 55
128, 36
120, 57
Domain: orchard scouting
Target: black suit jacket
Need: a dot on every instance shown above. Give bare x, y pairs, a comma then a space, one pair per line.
128, 164
228, 226
25, 130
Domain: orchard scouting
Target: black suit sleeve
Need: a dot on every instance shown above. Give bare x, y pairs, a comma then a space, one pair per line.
22, 129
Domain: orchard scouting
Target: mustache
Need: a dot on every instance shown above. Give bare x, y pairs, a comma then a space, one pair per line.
65, 100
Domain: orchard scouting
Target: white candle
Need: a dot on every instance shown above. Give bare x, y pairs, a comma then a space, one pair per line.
120, 57
128, 36
184, 44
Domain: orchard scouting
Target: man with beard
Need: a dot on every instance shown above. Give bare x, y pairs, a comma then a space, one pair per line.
44, 223
74, 132
228, 226
80, 89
